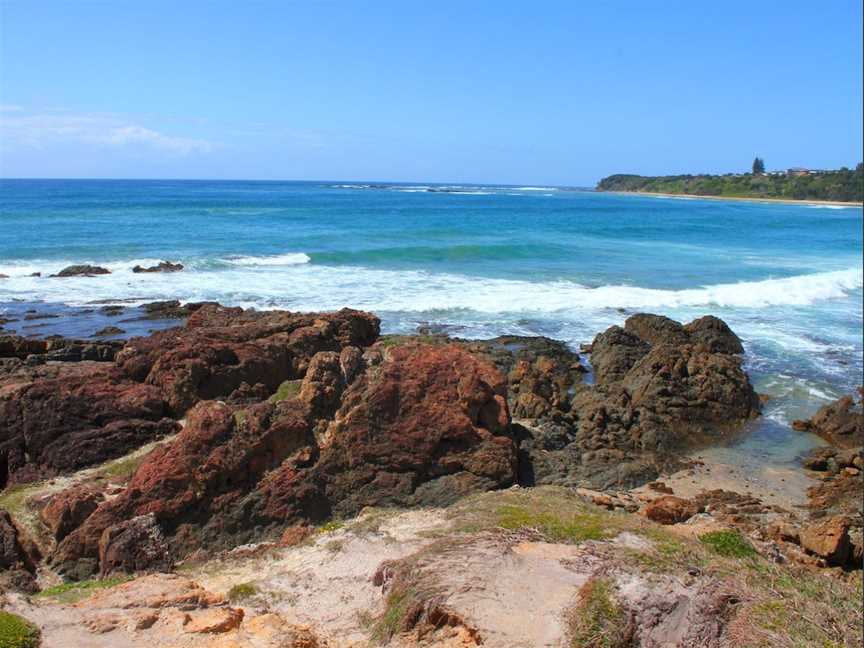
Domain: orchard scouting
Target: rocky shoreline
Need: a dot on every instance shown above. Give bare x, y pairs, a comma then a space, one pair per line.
267, 426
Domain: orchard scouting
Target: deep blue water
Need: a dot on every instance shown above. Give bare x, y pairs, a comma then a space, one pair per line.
481, 260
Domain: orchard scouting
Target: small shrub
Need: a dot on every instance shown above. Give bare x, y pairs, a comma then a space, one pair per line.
331, 526
728, 543
17, 632
242, 591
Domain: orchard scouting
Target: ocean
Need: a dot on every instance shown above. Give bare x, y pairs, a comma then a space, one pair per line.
473, 261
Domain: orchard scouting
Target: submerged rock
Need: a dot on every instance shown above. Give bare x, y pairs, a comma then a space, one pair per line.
162, 266
109, 331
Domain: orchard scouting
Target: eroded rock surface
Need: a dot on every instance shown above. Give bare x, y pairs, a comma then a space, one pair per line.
422, 425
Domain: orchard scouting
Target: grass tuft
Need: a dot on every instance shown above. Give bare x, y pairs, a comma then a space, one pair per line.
72, 592
398, 604
728, 543
17, 632
573, 527
598, 620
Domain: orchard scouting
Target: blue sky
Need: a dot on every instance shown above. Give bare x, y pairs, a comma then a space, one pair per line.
509, 92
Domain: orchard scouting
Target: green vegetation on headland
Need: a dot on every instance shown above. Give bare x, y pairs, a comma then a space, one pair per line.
842, 185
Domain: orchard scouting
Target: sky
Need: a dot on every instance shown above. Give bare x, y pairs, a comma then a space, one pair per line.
504, 92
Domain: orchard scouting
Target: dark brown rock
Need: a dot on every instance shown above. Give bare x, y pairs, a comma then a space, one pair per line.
656, 329
841, 423
73, 415
540, 373
81, 270
170, 309
134, 545
162, 266
714, 334
221, 348
17, 567
614, 352
109, 331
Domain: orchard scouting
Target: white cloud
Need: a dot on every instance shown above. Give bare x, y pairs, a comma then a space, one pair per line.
19, 128
130, 135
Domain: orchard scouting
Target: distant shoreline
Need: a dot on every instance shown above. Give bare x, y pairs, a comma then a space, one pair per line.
788, 201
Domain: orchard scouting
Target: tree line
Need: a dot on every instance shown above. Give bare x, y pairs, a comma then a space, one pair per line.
843, 185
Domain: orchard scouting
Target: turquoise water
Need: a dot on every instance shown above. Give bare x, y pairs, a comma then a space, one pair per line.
476, 260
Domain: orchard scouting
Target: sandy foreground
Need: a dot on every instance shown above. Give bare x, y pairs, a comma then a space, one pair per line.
736, 198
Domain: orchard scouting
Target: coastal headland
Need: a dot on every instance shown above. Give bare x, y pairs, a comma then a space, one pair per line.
251, 478
844, 187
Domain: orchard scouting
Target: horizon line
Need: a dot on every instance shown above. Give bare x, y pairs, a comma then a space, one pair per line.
323, 181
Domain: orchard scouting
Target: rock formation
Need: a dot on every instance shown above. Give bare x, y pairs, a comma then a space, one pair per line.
292, 419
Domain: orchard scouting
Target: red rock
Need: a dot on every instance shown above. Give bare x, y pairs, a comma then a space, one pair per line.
670, 510
295, 534
424, 426
829, 539
426, 413
221, 454
68, 509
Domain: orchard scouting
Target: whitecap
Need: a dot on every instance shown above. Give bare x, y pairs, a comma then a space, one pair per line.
291, 258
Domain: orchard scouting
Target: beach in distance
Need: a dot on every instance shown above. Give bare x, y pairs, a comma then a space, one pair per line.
789, 201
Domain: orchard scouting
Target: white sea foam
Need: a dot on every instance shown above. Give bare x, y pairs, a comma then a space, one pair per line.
536, 189
833, 206
289, 280
291, 258
19, 269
